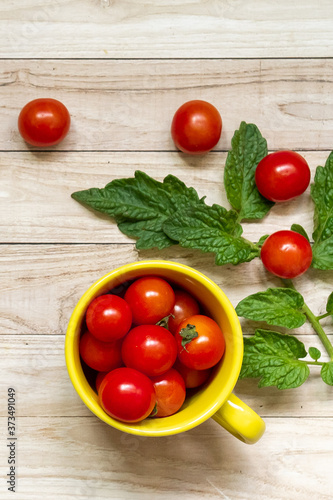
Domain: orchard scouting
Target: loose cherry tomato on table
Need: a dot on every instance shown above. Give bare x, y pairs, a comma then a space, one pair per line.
286, 254
282, 176
185, 306
44, 122
150, 298
196, 127
101, 356
170, 393
192, 378
127, 395
108, 317
151, 349
200, 342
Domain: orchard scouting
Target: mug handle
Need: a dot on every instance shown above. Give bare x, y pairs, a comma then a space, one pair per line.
240, 420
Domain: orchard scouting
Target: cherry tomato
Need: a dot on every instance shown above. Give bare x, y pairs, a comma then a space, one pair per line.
101, 356
170, 393
44, 122
192, 378
150, 298
108, 317
286, 254
200, 342
282, 176
99, 379
196, 127
185, 306
151, 349
127, 395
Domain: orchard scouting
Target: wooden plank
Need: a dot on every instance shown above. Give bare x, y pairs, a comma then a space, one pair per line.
129, 105
42, 283
173, 28
36, 204
35, 366
83, 458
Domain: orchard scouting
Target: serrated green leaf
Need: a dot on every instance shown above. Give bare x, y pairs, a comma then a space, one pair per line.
322, 195
326, 373
300, 229
329, 305
275, 306
274, 359
248, 149
211, 229
140, 205
314, 353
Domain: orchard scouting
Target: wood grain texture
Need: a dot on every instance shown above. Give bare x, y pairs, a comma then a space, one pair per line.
128, 105
36, 203
35, 366
41, 284
168, 28
82, 458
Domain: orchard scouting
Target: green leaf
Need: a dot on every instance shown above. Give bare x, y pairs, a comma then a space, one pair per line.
314, 353
274, 358
248, 149
322, 195
275, 306
300, 229
262, 240
329, 305
211, 229
327, 373
140, 205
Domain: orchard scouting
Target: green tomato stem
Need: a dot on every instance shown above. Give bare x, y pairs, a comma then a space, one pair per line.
316, 363
319, 329
322, 316
315, 324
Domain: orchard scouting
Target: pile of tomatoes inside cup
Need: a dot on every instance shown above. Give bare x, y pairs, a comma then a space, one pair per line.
150, 346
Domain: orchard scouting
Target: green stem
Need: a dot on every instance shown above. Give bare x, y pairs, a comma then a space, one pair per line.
316, 363
315, 324
322, 316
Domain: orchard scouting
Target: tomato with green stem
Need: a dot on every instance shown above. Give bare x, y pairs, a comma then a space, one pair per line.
286, 254
200, 342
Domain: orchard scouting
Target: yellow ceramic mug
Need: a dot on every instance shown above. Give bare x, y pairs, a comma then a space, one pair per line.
214, 399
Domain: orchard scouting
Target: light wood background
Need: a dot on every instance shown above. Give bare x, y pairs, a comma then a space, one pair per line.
122, 68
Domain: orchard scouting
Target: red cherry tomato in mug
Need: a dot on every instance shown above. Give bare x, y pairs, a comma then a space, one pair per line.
170, 393
108, 317
101, 356
44, 122
151, 349
99, 379
196, 127
286, 254
150, 298
192, 378
127, 395
185, 306
203, 350
282, 176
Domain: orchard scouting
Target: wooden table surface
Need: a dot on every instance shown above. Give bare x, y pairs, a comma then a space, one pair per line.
122, 68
